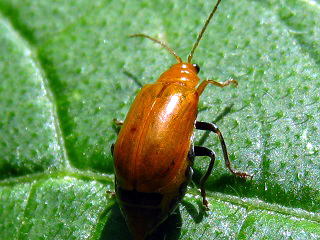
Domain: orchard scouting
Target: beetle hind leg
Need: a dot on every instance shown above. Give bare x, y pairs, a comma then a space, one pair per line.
203, 151
213, 128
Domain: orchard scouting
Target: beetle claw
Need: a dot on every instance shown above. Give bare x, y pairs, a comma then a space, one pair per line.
243, 175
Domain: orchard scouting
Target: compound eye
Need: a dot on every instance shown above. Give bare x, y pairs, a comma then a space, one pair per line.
196, 66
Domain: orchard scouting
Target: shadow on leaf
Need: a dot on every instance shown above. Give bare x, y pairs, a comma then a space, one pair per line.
170, 229
197, 213
116, 228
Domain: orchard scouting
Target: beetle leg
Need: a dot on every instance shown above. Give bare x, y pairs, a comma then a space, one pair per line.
117, 122
111, 194
212, 127
203, 151
112, 148
203, 85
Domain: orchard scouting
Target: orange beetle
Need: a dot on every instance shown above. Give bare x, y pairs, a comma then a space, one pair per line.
153, 154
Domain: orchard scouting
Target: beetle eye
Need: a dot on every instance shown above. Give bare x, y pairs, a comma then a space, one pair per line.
196, 66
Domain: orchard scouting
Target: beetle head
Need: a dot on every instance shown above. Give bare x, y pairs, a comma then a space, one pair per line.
183, 73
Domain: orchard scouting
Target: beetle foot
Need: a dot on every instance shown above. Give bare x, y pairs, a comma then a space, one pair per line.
110, 194
243, 175
205, 204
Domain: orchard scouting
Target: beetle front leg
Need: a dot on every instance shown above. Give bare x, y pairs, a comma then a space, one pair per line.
117, 122
203, 151
213, 128
205, 83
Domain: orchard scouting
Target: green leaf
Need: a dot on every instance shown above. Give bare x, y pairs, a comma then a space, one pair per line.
67, 69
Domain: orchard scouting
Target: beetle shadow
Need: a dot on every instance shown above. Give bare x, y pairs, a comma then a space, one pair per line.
206, 134
170, 229
116, 228
228, 183
133, 77
197, 213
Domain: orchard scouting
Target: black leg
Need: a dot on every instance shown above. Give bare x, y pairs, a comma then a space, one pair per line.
203, 151
112, 148
212, 127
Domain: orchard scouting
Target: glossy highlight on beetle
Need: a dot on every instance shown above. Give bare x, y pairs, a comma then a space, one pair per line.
154, 154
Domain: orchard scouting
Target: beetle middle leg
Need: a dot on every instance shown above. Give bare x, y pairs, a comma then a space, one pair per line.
213, 128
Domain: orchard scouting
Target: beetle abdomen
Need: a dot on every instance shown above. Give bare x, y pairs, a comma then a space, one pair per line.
142, 211
153, 153
145, 211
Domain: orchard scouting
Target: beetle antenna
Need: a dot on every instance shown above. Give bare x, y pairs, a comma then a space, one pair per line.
159, 42
202, 31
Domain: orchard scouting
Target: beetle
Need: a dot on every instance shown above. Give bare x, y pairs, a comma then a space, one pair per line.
153, 154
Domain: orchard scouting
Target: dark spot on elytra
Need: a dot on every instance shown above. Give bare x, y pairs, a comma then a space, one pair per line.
165, 172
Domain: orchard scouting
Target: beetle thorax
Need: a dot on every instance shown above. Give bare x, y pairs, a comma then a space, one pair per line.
182, 73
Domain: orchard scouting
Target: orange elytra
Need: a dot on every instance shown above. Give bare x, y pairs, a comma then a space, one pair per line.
153, 154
